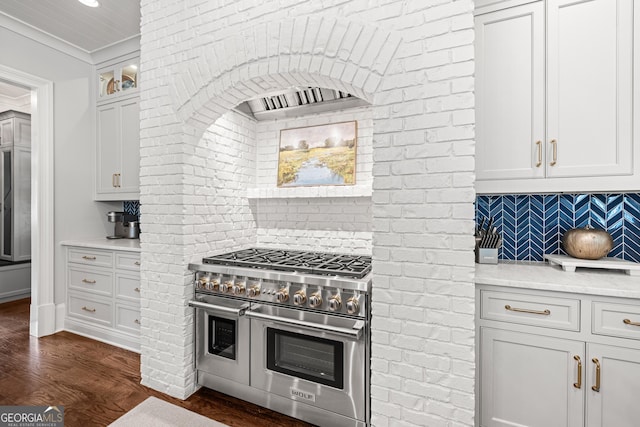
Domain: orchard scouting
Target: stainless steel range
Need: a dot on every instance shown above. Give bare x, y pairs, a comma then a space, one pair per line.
287, 330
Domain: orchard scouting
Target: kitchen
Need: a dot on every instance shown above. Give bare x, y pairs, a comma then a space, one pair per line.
417, 74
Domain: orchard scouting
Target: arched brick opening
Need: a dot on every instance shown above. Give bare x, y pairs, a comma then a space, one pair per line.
352, 57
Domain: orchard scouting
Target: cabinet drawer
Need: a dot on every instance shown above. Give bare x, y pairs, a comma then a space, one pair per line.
91, 257
535, 310
128, 318
128, 287
90, 280
128, 261
97, 311
618, 320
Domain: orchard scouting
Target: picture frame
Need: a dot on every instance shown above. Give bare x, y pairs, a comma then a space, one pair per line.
318, 155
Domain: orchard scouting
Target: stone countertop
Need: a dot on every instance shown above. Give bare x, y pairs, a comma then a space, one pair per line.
130, 245
544, 277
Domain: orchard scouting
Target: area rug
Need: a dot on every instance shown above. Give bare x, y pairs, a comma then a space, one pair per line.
154, 412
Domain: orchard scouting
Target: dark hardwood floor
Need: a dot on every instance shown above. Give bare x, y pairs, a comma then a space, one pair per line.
96, 382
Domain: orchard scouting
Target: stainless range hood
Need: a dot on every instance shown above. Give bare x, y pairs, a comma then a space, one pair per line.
298, 102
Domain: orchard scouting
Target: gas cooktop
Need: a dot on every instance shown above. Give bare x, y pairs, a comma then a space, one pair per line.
322, 263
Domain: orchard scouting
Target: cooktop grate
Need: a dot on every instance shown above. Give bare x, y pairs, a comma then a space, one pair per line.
322, 263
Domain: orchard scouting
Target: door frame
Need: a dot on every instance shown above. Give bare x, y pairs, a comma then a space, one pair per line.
42, 310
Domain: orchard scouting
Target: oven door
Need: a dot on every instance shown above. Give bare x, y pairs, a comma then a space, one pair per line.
222, 337
311, 358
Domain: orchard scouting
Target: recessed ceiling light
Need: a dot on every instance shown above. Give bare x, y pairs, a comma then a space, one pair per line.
90, 3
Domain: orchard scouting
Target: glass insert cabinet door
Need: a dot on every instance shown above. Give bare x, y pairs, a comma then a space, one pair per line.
118, 80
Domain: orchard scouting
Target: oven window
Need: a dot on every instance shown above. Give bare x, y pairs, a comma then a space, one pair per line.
222, 337
315, 359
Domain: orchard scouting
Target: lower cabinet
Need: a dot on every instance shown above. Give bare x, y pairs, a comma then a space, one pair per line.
527, 380
103, 295
613, 389
553, 374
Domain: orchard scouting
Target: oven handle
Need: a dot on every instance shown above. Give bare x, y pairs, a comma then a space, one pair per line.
220, 309
353, 333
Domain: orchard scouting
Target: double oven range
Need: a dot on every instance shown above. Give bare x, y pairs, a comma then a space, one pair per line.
287, 330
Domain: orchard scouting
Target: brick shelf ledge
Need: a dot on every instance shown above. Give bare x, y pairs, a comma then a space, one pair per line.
307, 192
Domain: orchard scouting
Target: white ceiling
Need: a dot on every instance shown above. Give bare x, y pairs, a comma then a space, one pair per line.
84, 27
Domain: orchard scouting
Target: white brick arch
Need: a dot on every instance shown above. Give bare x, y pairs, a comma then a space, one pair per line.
305, 51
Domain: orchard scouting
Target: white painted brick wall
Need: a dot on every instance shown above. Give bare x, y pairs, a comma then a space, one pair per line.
413, 59
330, 224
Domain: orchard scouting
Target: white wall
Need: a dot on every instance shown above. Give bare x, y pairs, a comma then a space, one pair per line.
76, 215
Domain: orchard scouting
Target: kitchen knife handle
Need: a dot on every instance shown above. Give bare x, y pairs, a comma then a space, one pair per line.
539, 163
578, 384
554, 143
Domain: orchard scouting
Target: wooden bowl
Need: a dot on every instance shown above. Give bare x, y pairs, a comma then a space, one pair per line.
587, 243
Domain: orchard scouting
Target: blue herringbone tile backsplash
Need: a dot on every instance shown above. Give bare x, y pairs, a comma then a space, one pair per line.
132, 207
533, 225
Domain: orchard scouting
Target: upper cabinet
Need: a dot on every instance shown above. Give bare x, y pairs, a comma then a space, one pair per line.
117, 172
118, 80
554, 96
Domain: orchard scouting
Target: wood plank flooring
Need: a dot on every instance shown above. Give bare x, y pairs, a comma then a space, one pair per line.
96, 382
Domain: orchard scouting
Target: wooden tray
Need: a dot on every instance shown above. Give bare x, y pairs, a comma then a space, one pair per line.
570, 263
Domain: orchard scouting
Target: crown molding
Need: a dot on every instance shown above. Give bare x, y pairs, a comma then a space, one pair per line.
117, 49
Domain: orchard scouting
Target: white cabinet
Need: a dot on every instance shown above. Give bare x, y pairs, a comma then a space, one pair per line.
510, 93
103, 295
118, 150
554, 96
612, 396
117, 79
15, 186
554, 359
118, 130
526, 380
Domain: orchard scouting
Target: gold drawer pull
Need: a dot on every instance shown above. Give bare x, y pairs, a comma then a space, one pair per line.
137, 321
579, 383
91, 282
90, 310
539, 163
137, 263
524, 310
629, 322
597, 386
554, 143
90, 258
137, 289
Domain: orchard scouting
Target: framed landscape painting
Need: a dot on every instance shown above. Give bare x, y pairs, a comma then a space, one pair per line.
318, 155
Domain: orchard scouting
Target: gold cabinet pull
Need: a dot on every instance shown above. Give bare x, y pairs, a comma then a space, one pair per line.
90, 258
629, 322
579, 383
137, 321
539, 144
91, 282
137, 289
137, 263
113, 180
524, 310
554, 143
597, 386
119, 185
90, 310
